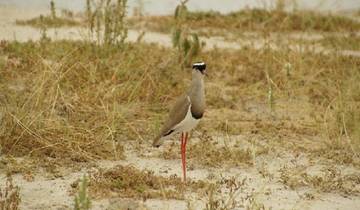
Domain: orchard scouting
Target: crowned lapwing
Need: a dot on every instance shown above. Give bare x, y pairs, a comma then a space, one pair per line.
186, 113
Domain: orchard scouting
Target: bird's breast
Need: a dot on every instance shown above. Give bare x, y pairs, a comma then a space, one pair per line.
188, 123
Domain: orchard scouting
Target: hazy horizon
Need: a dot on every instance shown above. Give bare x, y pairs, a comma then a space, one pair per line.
161, 7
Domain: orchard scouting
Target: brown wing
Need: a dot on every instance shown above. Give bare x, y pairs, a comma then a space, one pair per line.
176, 115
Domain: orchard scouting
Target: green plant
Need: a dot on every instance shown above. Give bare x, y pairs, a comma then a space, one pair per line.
52, 9
271, 100
89, 16
187, 44
82, 199
43, 30
111, 16
280, 5
114, 23
139, 8
288, 69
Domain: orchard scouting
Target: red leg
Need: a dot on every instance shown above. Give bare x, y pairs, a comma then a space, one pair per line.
183, 155
184, 161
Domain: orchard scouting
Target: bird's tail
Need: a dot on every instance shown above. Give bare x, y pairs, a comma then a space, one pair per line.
157, 141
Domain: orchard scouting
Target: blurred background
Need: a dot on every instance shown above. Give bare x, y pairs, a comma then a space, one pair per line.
163, 7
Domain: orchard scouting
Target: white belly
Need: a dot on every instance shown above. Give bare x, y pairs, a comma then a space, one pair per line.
187, 124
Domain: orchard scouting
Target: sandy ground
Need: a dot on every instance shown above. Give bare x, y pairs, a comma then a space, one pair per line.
48, 192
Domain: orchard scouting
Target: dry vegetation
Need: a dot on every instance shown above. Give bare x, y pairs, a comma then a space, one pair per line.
67, 18
50, 22
350, 42
328, 180
67, 107
142, 184
214, 23
9, 196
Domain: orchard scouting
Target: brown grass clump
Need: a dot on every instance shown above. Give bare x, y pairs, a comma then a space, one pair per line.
129, 182
9, 196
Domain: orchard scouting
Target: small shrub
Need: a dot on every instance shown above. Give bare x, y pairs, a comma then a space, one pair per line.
111, 16
52, 9
82, 199
187, 44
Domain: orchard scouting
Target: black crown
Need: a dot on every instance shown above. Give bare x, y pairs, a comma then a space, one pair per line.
199, 66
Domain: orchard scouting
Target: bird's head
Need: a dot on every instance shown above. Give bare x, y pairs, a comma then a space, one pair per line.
200, 66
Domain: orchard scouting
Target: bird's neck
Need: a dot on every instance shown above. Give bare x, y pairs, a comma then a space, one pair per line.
197, 89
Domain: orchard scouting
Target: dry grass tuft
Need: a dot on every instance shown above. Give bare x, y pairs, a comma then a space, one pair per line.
9, 196
129, 182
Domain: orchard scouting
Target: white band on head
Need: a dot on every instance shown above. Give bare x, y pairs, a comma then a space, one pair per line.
199, 64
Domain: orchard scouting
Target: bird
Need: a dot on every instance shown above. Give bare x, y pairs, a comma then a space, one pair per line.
186, 113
